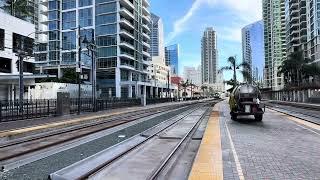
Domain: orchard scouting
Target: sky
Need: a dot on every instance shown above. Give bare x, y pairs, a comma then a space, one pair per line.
185, 20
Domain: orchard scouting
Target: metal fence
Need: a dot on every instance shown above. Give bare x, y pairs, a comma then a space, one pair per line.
10, 110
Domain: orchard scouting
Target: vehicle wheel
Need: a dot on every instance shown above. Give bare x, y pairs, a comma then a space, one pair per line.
258, 117
233, 116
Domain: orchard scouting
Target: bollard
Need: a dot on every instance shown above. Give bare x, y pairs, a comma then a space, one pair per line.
63, 103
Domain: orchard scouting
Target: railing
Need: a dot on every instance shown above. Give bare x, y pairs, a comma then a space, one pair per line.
9, 110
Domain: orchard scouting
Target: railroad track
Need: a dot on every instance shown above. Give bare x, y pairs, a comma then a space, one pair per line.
35, 143
91, 172
293, 112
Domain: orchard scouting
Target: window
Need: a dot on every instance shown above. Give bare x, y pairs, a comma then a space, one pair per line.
88, 34
69, 58
106, 40
5, 65
107, 62
106, 29
40, 57
85, 17
1, 39
22, 43
69, 40
54, 45
106, 19
107, 51
69, 20
85, 3
106, 8
53, 5
53, 25
53, 15
54, 55
68, 4
54, 35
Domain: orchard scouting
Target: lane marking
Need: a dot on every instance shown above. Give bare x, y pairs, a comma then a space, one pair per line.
235, 155
208, 163
306, 125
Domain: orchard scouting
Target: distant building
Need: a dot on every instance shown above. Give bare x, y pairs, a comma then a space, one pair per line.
192, 74
172, 58
253, 49
157, 37
209, 56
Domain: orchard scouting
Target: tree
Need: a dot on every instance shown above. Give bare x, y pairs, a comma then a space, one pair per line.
69, 76
234, 66
296, 69
204, 88
19, 8
185, 85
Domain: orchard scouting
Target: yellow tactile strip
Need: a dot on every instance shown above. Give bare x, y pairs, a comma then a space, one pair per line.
208, 163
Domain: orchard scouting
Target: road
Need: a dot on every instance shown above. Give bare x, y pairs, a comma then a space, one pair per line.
277, 148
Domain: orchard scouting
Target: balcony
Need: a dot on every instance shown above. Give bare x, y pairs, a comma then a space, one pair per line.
146, 54
127, 4
126, 34
145, 11
126, 23
146, 18
127, 55
146, 45
146, 28
146, 3
146, 36
127, 14
127, 45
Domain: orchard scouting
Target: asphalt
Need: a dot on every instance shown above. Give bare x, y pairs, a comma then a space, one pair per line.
42, 168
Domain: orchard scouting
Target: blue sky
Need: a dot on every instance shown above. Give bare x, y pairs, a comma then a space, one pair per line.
185, 21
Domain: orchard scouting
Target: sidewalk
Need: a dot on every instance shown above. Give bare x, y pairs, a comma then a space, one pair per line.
295, 104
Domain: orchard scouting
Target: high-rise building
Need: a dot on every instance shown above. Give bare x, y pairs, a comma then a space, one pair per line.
296, 26
120, 30
192, 74
172, 58
253, 49
313, 30
209, 56
157, 37
274, 42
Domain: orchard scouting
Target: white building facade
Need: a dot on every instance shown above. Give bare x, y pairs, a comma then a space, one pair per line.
15, 35
192, 74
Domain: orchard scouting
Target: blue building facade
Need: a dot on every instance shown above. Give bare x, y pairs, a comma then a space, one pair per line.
253, 49
172, 58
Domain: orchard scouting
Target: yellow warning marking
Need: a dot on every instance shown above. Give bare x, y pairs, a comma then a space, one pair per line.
208, 163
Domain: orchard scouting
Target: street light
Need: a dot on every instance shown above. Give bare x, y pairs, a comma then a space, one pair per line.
91, 46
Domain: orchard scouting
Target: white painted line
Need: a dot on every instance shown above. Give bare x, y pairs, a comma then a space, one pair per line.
296, 123
235, 155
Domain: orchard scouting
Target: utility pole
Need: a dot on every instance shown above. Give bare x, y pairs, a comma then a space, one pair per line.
79, 71
21, 85
94, 72
168, 87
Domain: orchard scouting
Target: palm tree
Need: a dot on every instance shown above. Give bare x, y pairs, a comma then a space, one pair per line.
19, 8
185, 85
297, 68
203, 88
234, 66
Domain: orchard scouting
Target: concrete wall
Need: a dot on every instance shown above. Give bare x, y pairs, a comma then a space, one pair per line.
49, 90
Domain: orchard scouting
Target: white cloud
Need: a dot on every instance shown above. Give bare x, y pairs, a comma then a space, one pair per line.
246, 10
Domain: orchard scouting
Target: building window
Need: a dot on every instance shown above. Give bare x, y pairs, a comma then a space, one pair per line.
69, 20
85, 3
107, 40
68, 4
40, 57
54, 35
107, 62
106, 19
107, 51
53, 5
106, 29
5, 65
106, 8
85, 17
53, 25
54, 45
22, 43
53, 15
2, 39
69, 40
69, 58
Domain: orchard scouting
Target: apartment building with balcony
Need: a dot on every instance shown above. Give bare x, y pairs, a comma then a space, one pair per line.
274, 42
313, 30
296, 26
121, 31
